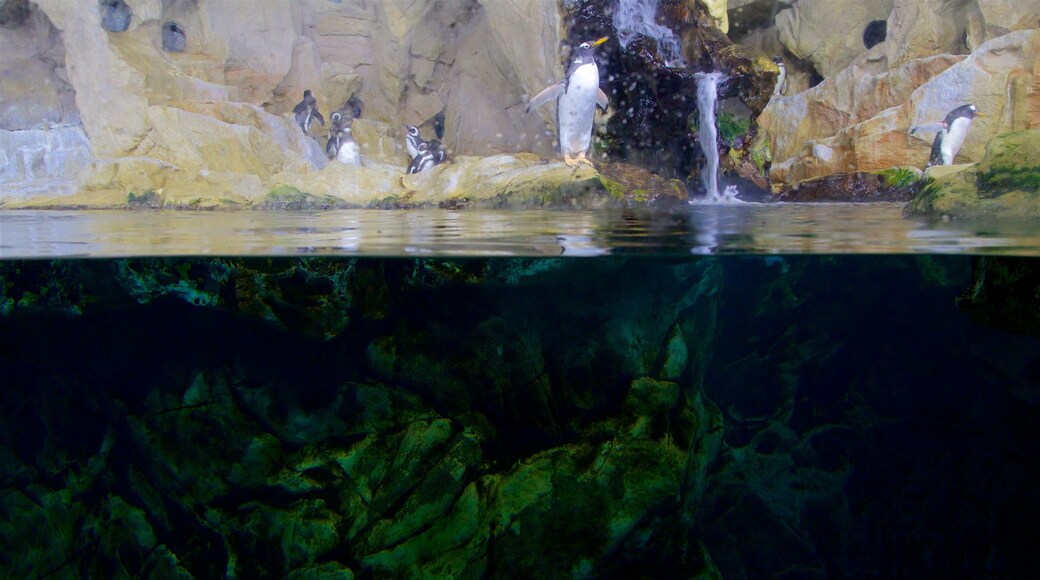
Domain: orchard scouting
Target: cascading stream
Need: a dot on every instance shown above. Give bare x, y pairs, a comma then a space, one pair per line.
632, 17
707, 98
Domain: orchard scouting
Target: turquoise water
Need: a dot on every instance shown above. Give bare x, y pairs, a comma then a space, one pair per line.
739, 392
838, 228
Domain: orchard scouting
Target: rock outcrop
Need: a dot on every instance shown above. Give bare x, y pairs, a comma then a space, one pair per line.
222, 105
1004, 184
861, 116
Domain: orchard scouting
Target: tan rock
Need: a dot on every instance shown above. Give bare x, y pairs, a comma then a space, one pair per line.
869, 116
357, 186
717, 10
830, 36
1010, 15
850, 97
922, 28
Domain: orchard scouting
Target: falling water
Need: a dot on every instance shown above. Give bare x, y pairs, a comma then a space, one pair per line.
634, 17
707, 97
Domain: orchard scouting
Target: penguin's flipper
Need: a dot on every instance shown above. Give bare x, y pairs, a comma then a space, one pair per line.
321, 120
551, 92
935, 157
928, 128
332, 147
602, 100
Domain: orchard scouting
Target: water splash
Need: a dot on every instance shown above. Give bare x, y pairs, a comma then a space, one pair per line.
632, 17
707, 99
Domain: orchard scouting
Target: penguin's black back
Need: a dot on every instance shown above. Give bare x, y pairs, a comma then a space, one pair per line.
967, 111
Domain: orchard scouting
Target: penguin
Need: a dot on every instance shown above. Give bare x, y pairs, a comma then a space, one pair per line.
412, 140
306, 110
437, 149
950, 134
173, 39
781, 79
423, 160
578, 94
352, 108
115, 15
341, 145
438, 125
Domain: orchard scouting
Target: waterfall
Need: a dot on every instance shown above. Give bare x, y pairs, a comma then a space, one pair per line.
632, 17
707, 98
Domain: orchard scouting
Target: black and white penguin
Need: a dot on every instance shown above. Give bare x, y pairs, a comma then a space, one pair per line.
950, 134
412, 140
352, 108
423, 160
341, 145
115, 15
578, 94
173, 38
781, 79
306, 110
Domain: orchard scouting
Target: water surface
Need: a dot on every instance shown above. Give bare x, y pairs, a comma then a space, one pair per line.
875, 228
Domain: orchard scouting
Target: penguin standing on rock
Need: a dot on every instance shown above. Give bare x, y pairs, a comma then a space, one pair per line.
306, 110
412, 140
950, 134
578, 94
341, 145
423, 160
781, 79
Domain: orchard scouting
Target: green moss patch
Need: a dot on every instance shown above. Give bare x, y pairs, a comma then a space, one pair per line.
287, 197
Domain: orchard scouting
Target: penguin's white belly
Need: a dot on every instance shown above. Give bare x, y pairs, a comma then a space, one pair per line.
954, 138
349, 153
577, 110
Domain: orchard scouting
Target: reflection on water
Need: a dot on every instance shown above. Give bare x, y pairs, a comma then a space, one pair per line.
876, 228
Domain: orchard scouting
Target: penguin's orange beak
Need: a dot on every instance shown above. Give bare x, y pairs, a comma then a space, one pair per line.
980, 114
601, 41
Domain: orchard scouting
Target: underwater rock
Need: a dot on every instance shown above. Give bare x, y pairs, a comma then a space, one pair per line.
1004, 294
1005, 184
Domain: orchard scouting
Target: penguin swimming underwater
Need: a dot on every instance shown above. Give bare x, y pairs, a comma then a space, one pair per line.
781, 79
306, 110
950, 134
578, 95
341, 145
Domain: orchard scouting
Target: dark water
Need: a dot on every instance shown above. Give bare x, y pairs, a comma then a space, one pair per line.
837, 392
639, 416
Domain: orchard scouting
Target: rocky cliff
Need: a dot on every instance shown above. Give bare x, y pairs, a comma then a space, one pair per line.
218, 112
884, 66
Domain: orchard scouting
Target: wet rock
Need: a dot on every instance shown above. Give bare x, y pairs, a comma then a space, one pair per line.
900, 184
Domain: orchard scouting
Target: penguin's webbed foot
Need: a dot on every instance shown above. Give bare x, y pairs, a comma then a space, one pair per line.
570, 162
582, 159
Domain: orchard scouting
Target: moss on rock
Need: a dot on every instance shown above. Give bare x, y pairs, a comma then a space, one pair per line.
1004, 185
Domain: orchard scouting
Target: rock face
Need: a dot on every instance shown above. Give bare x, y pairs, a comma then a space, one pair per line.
223, 103
863, 113
807, 31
